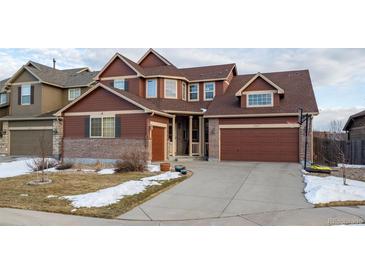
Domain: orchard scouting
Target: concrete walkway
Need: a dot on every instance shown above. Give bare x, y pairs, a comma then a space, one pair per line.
227, 189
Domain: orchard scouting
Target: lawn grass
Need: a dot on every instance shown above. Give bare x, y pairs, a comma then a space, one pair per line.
340, 203
15, 193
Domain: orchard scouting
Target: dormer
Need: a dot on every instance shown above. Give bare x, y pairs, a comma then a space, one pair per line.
153, 59
260, 91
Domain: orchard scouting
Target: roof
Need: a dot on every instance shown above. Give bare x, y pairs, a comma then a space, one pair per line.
351, 118
173, 105
3, 83
298, 94
208, 72
75, 77
43, 116
151, 50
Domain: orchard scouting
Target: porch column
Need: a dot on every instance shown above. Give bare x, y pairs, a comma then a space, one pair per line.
190, 135
173, 137
201, 135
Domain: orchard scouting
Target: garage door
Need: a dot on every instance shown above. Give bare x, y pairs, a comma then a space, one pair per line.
30, 142
158, 144
267, 145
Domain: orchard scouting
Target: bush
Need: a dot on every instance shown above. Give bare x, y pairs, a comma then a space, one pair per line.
39, 164
65, 165
135, 160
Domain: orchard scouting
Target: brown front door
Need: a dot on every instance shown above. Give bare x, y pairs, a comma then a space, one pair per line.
261, 145
158, 144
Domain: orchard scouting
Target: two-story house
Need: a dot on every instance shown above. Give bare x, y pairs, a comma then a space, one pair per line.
206, 111
28, 101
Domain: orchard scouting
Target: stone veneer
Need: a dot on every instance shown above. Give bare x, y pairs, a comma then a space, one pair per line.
4, 140
100, 148
213, 125
302, 142
57, 138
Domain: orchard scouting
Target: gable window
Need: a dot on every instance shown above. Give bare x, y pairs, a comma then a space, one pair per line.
119, 84
170, 88
73, 93
3, 98
260, 99
151, 88
183, 91
209, 91
194, 92
102, 127
25, 94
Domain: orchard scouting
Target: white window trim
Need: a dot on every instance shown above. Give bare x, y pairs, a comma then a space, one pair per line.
102, 127
205, 99
21, 94
117, 80
170, 97
197, 99
183, 93
3, 95
259, 92
147, 96
69, 92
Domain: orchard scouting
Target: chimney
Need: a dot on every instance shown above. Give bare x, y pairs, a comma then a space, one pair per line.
54, 63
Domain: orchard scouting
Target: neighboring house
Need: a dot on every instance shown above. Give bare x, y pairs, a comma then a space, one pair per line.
33, 94
355, 126
206, 111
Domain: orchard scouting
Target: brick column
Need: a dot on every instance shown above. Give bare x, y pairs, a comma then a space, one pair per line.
213, 139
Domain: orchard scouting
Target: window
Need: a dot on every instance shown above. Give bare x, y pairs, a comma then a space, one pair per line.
184, 91
194, 92
209, 91
102, 127
151, 88
25, 94
73, 93
3, 98
170, 88
119, 84
259, 99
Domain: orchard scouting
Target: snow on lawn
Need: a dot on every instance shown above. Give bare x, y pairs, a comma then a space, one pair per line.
114, 194
106, 171
153, 168
331, 189
15, 168
351, 166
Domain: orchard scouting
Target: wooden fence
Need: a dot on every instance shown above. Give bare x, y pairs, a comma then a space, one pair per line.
326, 151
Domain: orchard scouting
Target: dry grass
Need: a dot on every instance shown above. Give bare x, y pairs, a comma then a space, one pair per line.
13, 191
341, 203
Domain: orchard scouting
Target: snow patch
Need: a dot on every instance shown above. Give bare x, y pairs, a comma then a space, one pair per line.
114, 194
331, 189
24, 195
15, 168
153, 168
351, 166
106, 171
52, 196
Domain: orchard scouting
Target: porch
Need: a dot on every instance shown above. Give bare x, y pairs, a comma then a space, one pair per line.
188, 137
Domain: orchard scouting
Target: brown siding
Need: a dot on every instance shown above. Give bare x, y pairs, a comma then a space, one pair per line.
74, 126
135, 85
20, 110
117, 68
52, 98
244, 100
259, 84
161, 87
151, 60
25, 76
101, 100
65, 100
266, 120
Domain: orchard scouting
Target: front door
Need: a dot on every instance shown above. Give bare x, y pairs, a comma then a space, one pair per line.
158, 144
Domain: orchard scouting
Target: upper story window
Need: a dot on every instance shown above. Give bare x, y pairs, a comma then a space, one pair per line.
25, 94
102, 127
170, 88
183, 91
194, 92
262, 99
3, 98
73, 93
151, 91
209, 91
119, 84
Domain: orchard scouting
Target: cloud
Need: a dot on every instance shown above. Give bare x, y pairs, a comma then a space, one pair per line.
323, 120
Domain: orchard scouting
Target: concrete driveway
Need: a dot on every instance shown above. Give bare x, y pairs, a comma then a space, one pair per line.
227, 189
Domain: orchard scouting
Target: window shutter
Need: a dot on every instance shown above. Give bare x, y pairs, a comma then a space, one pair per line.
31, 95
118, 126
126, 85
19, 95
87, 127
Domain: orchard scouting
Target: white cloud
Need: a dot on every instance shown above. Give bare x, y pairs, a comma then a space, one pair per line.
323, 120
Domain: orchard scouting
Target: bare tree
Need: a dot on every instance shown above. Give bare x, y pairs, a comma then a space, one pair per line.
337, 145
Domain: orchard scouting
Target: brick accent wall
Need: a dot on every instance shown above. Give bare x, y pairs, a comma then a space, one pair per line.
4, 140
100, 148
302, 142
213, 139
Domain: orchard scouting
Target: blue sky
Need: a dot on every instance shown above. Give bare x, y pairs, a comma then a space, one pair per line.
338, 75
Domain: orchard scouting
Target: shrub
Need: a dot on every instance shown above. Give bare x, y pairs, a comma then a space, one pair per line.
135, 160
39, 164
98, 166
65, 165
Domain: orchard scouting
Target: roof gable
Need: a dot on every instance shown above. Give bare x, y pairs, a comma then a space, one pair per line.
117, 66
260, 82
153, 59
